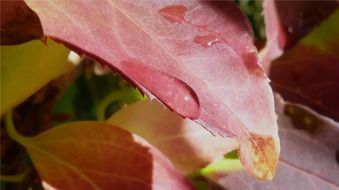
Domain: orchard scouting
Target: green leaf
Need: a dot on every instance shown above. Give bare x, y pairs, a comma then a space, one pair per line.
25, 68
325, 35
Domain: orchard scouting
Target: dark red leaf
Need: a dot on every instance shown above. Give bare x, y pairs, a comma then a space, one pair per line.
290, 21
309, 72
18, 23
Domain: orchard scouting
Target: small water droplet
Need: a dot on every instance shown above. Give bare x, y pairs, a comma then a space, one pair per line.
252, 66
206, 40
173, 92
290, 29
174, 13
259, 71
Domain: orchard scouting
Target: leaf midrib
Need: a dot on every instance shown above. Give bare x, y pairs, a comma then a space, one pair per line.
78, 170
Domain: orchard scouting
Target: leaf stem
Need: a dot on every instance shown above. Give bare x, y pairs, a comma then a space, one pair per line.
12, 133
14, 178
224, 165
127, 95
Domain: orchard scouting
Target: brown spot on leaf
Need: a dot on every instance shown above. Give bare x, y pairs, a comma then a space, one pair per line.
260, 155
265, 156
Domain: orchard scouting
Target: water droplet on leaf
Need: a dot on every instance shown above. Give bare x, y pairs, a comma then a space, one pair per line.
290, 29
206, 40
174, 13
252, 66
171, 91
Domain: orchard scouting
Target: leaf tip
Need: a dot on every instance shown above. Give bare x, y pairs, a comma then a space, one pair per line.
260, 154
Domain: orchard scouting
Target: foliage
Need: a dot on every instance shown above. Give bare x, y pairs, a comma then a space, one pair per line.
205, 114
22, 66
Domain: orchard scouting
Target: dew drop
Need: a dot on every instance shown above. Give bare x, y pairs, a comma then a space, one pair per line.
173, 92
250, 60
206, 40
290, 29
174, 13
259, 71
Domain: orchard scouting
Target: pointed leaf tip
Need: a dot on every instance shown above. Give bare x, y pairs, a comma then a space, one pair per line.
260, 155
217, 73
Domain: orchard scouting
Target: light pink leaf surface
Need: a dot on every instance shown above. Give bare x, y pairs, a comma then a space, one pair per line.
197, 58
188, 145
309, 155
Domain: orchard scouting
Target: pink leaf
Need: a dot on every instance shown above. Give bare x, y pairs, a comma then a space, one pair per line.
198, 58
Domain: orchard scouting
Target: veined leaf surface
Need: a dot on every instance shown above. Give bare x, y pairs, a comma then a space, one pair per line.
93, 155
197, 58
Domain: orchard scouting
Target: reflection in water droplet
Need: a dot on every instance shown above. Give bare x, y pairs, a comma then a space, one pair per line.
171, 91
206, 40
174, 13
259, 71
252, 66
290, 29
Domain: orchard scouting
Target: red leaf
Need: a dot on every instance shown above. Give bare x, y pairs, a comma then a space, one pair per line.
289, 21
18, 23
92, 155
309, 72
198, 58
295, 19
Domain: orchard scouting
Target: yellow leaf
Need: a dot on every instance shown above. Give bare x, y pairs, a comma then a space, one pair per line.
27, 67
